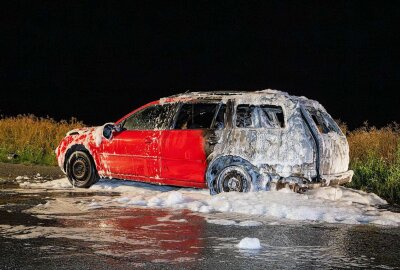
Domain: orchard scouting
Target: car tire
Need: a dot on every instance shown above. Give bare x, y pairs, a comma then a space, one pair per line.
81, 170
233, 178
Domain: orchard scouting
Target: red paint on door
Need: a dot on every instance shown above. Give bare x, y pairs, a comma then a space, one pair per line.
132, 153
183, 156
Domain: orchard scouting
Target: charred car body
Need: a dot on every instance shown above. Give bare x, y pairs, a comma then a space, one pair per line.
226, 141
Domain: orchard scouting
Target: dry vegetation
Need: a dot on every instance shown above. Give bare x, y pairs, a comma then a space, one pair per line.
367, 141
375, 159
29, 139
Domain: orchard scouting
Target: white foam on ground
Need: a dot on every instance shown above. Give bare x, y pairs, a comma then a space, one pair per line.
22, 177
329, 204
249, 223
246, 223
249, 243
221, 221
168, 218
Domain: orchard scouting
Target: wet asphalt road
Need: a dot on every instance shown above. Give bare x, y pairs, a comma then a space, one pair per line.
120, 238
11, 171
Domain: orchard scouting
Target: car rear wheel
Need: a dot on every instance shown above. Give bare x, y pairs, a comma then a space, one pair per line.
80, 169
233, 178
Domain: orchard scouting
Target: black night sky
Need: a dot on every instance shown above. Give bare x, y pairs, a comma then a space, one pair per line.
97, 61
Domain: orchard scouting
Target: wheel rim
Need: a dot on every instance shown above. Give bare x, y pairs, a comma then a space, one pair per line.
233, 179
234, 184
80, 169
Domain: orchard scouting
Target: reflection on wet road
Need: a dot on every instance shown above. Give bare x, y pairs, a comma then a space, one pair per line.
118, 238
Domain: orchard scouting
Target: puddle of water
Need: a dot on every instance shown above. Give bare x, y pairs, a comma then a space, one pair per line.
184, 239
180, 238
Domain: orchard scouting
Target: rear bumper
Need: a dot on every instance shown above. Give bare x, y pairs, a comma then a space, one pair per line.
333, 179
337, 179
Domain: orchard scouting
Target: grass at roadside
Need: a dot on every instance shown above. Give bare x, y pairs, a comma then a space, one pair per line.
30, 139
375, 159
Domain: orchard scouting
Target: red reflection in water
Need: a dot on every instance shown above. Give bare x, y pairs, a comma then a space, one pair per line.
146, 234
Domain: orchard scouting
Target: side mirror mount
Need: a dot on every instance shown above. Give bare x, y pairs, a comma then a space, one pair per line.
108, 131
118, 128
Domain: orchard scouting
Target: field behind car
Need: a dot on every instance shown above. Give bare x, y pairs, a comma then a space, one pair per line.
30, 139
374, 152
375, 159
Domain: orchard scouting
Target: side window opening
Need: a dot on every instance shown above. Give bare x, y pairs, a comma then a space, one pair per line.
165, 116
246, 116
264, 116
196, 116
150, 118
142, 119
271, 116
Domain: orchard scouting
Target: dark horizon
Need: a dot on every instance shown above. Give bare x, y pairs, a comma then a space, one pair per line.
99, 62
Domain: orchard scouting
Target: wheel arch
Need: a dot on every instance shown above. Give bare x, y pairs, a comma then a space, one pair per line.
74, 148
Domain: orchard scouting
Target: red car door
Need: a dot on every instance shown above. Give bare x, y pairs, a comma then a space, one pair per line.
183, 155
134, 152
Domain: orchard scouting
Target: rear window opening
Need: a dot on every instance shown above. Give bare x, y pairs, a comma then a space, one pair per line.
264, 116
324, 122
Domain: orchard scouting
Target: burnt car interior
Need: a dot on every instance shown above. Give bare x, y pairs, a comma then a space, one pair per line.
265, 116
200, 116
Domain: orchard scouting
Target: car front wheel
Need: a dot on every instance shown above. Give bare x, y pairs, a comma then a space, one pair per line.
81, 171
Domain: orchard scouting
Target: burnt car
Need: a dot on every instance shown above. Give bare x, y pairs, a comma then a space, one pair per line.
223, 140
